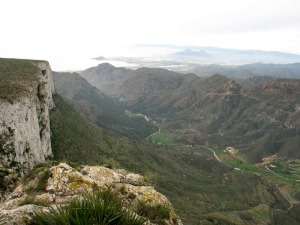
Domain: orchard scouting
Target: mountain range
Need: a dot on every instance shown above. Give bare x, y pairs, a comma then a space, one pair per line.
99, 118
211, 55
207, 61
213, 110
259, 117
250, 70
202, 189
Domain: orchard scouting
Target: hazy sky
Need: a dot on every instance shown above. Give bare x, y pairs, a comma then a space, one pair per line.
67, 32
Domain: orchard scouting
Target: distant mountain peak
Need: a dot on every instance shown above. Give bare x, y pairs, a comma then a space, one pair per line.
218, 76
187, 50
191, 53
106, 65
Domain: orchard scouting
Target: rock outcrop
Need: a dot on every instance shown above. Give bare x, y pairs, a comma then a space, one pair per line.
64, 183
26, 89
24, 120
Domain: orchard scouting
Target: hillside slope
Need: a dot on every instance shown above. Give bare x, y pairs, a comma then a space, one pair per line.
260, 120
99, 108
200, 187
250, 70
105, 75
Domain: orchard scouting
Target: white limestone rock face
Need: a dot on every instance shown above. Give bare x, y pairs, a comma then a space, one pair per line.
25, 123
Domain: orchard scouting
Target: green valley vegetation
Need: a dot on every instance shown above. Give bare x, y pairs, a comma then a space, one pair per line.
194, 181
16, 76
281, 169
283, 172
133, 115
163, 138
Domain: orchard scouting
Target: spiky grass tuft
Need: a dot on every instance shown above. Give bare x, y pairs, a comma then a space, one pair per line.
1, 218
96, 208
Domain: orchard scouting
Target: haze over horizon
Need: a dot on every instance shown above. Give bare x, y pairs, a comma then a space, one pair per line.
69, 33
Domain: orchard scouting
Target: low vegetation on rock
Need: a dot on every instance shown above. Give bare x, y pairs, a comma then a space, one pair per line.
98, 208
56, 193
16, 75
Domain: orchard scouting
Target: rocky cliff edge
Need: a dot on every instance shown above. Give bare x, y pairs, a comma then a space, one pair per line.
59, 184
26, 89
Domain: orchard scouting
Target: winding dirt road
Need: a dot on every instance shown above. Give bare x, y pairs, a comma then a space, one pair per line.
215, 155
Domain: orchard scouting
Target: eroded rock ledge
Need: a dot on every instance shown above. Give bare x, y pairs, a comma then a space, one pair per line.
63, 183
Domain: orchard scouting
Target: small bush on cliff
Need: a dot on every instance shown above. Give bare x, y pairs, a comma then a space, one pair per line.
32, 200
92, 208
42, 173
1, 218
153, 212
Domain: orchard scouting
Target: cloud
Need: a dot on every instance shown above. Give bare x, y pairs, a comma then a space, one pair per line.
45, 28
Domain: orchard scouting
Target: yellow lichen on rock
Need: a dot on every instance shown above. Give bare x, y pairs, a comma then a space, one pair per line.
103, 174
67, 181
135, 178
147, 194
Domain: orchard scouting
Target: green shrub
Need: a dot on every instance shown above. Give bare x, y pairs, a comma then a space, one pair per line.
43, 178
42, 174
153, 212
111, 164
96, 208
28, 200
32, 200
39, 169
1, 218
